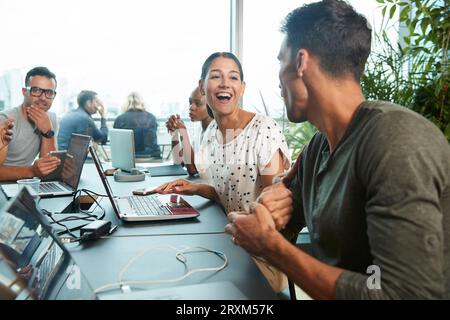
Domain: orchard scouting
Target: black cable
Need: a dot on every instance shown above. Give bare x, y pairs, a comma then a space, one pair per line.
77, 206
67, 230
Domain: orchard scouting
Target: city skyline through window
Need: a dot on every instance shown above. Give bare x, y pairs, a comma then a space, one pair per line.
153, 47
112, 47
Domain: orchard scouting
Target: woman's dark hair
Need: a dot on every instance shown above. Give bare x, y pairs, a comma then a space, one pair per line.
334, 32
215, 55
207, 64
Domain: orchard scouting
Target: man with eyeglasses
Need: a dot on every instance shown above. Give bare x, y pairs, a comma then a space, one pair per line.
33, 131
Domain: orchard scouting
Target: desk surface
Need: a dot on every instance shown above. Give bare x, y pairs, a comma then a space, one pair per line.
102, 261
212, 218
159, 262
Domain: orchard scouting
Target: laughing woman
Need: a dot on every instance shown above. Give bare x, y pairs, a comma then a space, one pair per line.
243, 150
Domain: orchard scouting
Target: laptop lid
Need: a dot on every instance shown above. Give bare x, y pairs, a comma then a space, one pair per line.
73, 164
36, 257
101, 173
175, 204
122, 149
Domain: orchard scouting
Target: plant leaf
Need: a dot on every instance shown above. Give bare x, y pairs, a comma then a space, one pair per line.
392, 11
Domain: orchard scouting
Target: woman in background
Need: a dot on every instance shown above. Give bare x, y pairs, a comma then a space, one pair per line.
244, 150
182, 149
143, 124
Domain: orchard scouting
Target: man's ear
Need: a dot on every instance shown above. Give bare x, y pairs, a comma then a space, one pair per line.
24, 91
301, 60
200, 87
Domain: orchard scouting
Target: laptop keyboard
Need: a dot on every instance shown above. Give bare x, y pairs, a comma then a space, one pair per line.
50, 187
145, 206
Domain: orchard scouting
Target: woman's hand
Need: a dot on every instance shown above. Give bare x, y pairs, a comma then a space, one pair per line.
174, 123
179, 186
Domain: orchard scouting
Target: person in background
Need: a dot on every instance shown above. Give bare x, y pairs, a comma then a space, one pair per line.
182, 150
34, 129
143, 124
372, 186
80, 120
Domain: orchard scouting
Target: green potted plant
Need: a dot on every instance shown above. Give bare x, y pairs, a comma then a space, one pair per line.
416, 73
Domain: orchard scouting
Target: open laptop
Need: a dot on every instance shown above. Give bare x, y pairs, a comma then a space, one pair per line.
40, 265
123, 155
65, 181
145, 208
34, 264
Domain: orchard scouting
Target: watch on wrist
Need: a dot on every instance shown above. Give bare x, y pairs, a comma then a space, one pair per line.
48, 134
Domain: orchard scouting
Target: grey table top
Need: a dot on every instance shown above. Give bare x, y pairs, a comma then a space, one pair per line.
102, 260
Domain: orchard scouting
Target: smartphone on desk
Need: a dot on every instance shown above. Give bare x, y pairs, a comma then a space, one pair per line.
144, 191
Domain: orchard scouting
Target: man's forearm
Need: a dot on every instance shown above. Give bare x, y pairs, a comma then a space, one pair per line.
3, 154
10, 173
314, 277
47, 145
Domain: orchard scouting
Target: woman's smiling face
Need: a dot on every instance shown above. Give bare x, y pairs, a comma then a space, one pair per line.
223, 85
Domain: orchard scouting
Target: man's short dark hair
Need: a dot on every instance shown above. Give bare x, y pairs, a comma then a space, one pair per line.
332, 31
85, 96
39, 71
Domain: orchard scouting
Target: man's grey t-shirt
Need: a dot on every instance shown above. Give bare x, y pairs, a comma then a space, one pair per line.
378, 206
26, 143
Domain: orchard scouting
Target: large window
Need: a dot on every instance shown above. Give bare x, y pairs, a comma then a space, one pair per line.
112, 47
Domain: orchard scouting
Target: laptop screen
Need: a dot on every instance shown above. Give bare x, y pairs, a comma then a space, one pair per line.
36, 256
73, 164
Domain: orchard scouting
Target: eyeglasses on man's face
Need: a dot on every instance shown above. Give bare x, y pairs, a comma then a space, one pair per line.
37, 92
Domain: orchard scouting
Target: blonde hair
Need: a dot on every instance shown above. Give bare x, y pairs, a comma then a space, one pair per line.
134, 103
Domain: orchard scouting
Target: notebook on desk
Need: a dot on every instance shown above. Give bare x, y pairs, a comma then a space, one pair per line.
145, 208
66, 181
34, 264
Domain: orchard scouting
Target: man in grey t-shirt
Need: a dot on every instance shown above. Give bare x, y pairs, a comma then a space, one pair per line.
33, 131
373, 186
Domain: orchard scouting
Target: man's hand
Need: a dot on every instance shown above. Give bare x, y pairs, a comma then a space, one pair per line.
179, 186
278, 201
40, 118
251, 231
6, 132
45, 165
101, 109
